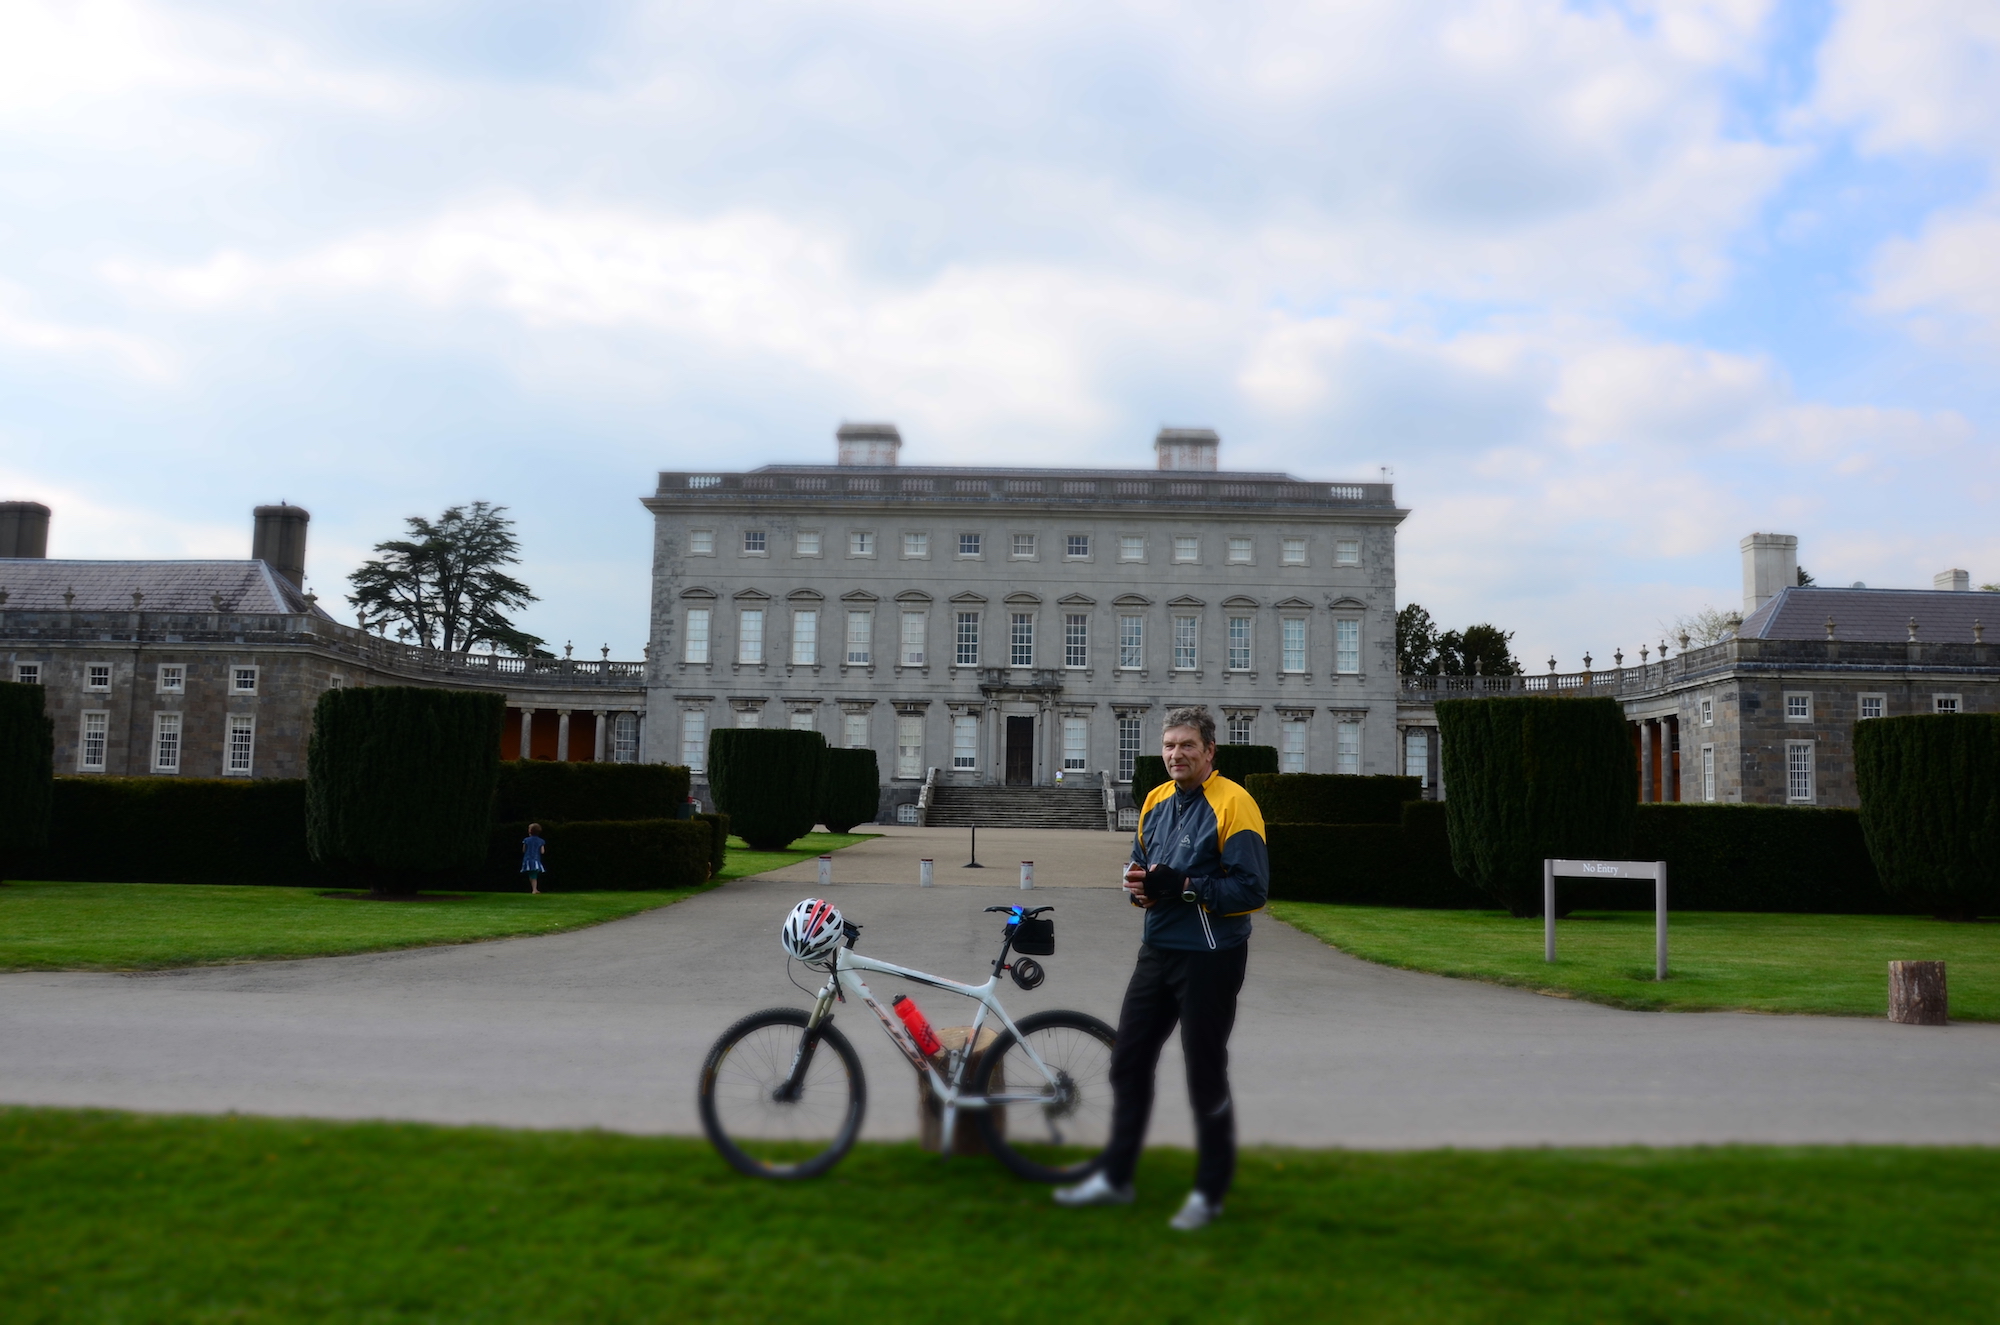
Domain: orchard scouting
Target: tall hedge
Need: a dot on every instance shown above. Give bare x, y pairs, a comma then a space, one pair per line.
1797, 858
767, 781
1238, 762
1404, 863
27, 774
180, 830
542, 790
599, 856
1148, 771
1530, 778
399, 782
718, 841
1930, 807
1333, 798
850, 788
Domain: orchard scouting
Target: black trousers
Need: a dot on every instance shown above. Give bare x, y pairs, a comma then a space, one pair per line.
1197, 990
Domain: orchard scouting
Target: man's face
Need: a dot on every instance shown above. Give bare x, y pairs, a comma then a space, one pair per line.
1189, 759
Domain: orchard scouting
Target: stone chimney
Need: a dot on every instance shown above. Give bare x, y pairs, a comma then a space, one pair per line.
24, 529
868, 443
280, 539
1770, 563
1956, 581
1187, 448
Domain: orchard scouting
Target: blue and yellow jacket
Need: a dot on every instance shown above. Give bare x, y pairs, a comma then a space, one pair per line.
1215, 836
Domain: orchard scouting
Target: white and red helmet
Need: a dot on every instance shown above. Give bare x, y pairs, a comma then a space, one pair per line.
813, 930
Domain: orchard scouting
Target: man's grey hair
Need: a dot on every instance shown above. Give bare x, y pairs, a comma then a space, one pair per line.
1195, 716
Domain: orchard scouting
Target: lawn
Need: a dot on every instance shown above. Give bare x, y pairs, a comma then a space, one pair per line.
112, 1217
743, 862
1756, 962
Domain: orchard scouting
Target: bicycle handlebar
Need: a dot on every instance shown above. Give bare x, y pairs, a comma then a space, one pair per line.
1025, 911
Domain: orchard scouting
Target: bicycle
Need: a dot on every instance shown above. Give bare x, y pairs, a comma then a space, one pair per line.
777, 1106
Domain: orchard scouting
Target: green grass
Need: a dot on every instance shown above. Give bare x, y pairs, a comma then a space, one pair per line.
112, 1217
742, 861
1716, 959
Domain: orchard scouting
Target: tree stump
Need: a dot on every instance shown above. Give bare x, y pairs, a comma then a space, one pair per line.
1916, 993
930, 1114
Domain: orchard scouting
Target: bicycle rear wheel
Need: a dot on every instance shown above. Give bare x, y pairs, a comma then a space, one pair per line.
1048, 1131
763, 1123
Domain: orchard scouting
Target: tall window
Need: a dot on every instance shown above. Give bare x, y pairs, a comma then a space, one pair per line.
968, 545
701, 542
1076, 744
1077, 546
807, 543
1021, 640
236, 756
860, 637
694, 739
861, 543
1292, 746
1131, 642
166, 742
1292, 551
805, 638
96, 726
854, 731
750, 636
1186, 633
802, 720
1024, 545
1187, 547
1347, 747
1417, 755
1128, 747
1239, 644
1347, 646
916, 545
909, 746
1708, 772
1708, 712
624, 738
965, 741
1239, 551
1131, 547
697, 636
913, 639
968, 639
1239, 728
1076, 640
1292, 636
1347, 552
755, 544
1799, 771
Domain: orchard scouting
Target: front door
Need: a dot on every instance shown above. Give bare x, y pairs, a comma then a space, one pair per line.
1020, 752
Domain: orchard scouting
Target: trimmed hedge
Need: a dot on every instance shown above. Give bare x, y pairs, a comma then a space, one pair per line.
1148, 771
179, 830
399, 782
850, 788
1930, 808
1749, 858
767, 781
1333, 798
1533, 777
718, 840
1240, 762
27, 774
600, 856
571, 793
1406, 863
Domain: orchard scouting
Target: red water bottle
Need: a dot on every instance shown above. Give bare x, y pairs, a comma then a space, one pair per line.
920, 1029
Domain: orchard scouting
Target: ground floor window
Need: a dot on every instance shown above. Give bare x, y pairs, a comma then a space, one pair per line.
1128, 747
1076, 744
1417, 755
624, 738
694, 740
1239, 728
96, 727
909, 746
242, 745
1347, 747
1799, 771
802, 720
1708, 772
1292, 747
965, 741
166, 742
854, 731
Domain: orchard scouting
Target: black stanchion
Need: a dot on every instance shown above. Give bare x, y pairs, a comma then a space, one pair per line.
974, 864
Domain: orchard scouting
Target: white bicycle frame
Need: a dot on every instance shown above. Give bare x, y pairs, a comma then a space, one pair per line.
846, 979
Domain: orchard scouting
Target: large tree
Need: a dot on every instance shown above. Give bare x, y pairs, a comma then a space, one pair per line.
1423, 650
445, 585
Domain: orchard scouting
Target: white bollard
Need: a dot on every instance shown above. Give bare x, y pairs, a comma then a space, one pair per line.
924, 872
826, 871
1027, 874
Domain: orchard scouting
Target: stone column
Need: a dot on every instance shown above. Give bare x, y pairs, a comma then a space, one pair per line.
562, 736
1647, 764
597, 753
1658, 765
527, 732
1670, 731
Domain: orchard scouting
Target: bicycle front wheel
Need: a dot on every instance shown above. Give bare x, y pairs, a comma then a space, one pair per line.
769, 1114
1049, 1120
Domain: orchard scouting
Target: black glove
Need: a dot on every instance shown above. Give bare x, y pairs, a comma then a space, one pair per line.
1165, 883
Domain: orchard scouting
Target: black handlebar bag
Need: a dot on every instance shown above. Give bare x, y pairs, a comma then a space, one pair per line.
1035, 937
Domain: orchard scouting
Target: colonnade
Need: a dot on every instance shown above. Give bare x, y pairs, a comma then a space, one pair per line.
601, 724
1656, 748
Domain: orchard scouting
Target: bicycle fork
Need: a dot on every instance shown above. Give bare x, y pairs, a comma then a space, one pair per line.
795, 1080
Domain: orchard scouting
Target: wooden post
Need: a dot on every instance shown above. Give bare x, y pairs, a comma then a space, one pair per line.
1916, 993
930, 1115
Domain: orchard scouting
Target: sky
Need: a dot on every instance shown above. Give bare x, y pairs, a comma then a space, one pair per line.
1603, 286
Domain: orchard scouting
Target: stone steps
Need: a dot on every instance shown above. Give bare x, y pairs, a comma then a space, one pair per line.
1016, 807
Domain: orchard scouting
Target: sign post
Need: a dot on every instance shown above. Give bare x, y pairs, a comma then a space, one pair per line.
1656, 870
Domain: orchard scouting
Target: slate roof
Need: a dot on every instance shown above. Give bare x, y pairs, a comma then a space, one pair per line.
1882, 615
36, 584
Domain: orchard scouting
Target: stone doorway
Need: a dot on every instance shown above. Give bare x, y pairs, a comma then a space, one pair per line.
1020, 751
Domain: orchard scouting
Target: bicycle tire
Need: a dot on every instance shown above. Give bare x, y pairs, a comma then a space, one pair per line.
1077, 1045
740, 1076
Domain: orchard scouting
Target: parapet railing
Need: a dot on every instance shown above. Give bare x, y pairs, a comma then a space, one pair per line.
1012, 485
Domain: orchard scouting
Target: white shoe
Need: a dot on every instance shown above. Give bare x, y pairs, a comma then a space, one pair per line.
1094, 1190
1195, 1213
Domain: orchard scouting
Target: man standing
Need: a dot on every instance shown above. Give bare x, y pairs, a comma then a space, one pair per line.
1199, 868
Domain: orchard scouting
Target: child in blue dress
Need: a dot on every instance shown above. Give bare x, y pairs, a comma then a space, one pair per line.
532, 850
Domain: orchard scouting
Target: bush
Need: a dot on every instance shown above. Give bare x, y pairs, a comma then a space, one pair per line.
1333, 798
1239, 762
179, 830
718, 841
399, 782
767, 782
1531, 778
27, 774
1407, 863
585, 792
1930, 808
1148, 771
850, 788
1749, 858
600, 856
